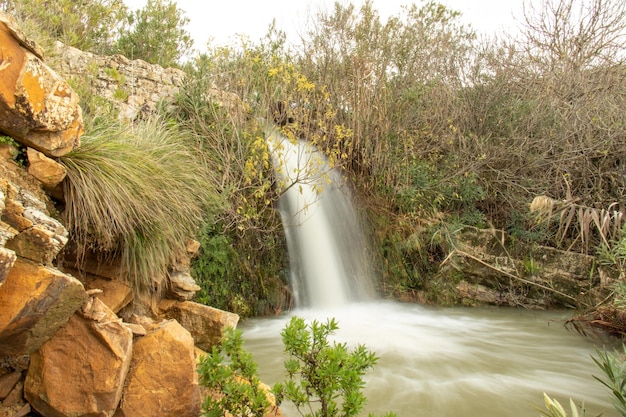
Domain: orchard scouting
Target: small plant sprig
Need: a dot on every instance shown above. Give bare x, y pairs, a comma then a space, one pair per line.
555, 409
613, 366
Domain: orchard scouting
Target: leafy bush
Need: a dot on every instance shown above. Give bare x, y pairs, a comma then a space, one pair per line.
156, 34
324, 380
234, 385
89, 25
136, 193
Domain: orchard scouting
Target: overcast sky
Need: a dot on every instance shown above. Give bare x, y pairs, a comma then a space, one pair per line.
221, 20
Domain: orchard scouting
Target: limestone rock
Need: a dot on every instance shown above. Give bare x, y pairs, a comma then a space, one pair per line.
81, 370
23, 411
230, 102
182, 286
6, 233
480, 293
206, 324
162, 382
192, 247
37, 107
28, 229
36, 301
497, 271
37, 244
7, 260
12, 28
49, 172
147, 323
23, 209
142, 85
16, 396
137, 329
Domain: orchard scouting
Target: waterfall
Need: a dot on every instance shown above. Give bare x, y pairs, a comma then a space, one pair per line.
329, 262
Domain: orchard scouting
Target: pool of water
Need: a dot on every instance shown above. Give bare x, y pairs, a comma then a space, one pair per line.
451, 362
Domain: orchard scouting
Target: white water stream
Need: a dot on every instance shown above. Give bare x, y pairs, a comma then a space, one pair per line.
434, 362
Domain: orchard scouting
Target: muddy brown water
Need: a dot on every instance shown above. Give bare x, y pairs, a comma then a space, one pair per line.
450, 362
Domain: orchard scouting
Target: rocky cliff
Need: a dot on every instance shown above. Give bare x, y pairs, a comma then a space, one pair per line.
71, 343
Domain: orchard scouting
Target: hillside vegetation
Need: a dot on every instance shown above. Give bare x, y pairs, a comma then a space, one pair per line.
436, 129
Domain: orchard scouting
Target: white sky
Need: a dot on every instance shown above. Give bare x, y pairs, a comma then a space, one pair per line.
222, 20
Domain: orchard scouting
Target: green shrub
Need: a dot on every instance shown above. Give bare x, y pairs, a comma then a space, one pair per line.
231, 375
156, 33
136, 193
213, 269
324, 379
89, 25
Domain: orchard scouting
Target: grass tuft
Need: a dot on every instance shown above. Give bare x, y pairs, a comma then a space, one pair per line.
135, 193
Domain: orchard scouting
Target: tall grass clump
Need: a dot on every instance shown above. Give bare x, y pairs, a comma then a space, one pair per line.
135, 193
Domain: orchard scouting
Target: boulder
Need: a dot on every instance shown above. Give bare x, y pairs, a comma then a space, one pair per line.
37, 107
206, 324
36, 301
48, 171
162, 381
81, 370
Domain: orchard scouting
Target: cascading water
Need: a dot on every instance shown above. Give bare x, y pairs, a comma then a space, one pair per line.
434, 362
329, 263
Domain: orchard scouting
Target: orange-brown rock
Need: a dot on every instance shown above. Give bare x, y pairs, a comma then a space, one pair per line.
48, 171
38, 244
163, 380
206, 324
81, 370
91, 263
8, 382
37, 107
115, 294
36, 301
33, 234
